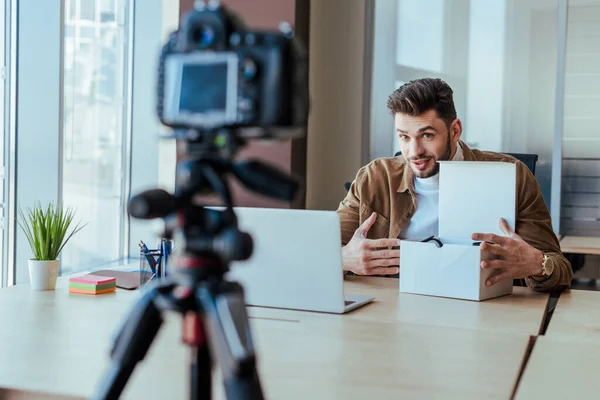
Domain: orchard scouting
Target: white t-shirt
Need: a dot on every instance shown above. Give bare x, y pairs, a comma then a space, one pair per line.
424, 222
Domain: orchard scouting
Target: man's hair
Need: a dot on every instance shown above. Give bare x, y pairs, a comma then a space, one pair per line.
421, 95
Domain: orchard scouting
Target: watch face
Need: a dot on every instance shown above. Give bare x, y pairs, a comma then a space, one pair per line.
548, 267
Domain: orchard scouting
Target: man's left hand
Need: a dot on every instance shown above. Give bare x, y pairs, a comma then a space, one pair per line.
517, 259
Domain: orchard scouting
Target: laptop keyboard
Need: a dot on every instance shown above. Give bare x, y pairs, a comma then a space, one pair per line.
348, 302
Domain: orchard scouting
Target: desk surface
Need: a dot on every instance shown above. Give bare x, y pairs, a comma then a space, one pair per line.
580, 244
577, 313
521, 312
561, 368
59, 343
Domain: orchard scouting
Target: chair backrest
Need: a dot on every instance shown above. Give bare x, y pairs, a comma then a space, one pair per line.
530, 160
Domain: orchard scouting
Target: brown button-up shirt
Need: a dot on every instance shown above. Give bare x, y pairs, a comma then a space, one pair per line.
386, 186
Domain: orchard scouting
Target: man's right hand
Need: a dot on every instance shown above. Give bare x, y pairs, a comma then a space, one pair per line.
370, 257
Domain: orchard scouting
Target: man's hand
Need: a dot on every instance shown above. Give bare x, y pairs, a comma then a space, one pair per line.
517, 259
370, 257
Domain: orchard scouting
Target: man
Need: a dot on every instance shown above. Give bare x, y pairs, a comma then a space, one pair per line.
397, 198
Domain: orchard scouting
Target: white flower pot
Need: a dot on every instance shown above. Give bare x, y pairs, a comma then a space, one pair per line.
43, 274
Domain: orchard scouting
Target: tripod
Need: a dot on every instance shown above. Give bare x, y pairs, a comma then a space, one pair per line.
213, 309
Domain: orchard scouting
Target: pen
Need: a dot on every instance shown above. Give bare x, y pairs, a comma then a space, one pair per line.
149, 257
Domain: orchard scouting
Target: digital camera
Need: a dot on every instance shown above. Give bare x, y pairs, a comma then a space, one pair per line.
215, 73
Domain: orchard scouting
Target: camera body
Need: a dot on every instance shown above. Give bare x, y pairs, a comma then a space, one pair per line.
215, 73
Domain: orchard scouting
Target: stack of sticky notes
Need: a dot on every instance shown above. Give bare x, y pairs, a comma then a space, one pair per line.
92, 284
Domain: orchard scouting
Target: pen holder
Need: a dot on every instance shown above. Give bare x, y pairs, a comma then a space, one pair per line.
150, 266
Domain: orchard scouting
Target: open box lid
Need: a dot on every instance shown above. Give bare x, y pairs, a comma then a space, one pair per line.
474, 195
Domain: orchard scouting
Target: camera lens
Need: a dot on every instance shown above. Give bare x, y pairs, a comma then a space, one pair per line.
204, 36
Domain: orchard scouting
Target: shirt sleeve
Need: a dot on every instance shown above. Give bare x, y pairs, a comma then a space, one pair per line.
349, 207
534, 225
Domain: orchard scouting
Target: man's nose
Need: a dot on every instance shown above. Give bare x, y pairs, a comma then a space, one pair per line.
416, 149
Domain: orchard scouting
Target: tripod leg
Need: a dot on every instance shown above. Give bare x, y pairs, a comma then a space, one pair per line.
200, 366
201, 376
131, 345
227, 322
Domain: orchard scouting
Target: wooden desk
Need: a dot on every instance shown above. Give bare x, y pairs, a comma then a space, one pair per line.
561, 368
353, 359
522, 312
55, 342
577, 313
580, 245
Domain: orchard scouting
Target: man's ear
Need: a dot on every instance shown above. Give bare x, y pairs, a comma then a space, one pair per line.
456, 130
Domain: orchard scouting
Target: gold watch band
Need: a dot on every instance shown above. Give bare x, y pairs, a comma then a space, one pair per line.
546, 271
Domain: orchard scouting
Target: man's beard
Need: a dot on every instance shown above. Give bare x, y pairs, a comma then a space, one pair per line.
436, 167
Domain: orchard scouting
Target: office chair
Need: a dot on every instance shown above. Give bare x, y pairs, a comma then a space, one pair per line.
530, 160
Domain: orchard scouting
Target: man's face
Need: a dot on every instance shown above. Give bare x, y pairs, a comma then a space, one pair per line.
425, 139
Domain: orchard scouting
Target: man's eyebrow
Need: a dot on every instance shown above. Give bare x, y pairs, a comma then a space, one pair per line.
426, 128
423, 129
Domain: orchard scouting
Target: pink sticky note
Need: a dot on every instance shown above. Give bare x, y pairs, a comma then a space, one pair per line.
92, 279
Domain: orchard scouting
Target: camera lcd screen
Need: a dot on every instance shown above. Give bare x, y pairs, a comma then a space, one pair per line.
203, 88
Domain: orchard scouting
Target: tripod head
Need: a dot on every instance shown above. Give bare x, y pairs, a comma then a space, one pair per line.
208, 232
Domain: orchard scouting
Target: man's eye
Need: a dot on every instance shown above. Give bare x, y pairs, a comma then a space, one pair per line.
403, 137
428, 135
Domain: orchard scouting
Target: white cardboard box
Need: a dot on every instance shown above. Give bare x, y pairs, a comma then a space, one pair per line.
473, 198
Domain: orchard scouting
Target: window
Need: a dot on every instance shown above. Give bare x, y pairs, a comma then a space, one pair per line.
94, 128
498, 56
86, 130
580, 207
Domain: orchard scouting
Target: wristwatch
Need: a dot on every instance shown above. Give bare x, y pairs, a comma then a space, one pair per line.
547, 268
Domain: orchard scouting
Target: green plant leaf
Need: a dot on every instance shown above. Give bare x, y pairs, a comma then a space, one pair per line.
47, 229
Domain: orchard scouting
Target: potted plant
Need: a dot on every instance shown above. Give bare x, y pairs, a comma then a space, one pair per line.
47, 231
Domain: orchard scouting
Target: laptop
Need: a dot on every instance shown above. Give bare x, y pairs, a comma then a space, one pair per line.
296, 262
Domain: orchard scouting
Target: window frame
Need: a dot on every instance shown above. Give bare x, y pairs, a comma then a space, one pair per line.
38, 34
8, 51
